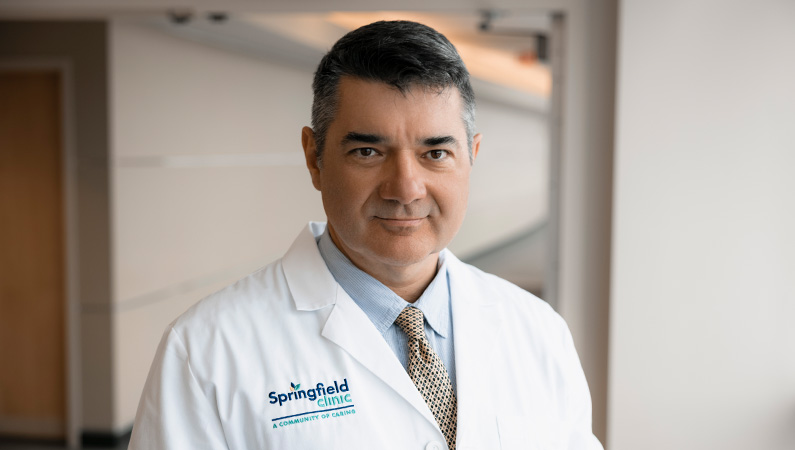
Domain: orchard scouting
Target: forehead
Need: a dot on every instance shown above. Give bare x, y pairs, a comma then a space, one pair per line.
376, 107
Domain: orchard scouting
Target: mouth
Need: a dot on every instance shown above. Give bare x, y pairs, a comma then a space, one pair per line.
401, 221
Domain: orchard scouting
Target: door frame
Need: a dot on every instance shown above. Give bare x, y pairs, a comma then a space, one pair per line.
72, 375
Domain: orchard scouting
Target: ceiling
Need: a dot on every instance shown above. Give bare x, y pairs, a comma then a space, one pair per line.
504, 59
105, 7
302, 30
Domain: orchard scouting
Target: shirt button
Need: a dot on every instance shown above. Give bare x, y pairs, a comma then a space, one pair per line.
433, 445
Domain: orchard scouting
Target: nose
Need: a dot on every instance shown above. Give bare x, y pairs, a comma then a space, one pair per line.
403, 179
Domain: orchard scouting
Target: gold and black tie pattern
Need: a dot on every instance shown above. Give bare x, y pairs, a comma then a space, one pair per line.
428, 373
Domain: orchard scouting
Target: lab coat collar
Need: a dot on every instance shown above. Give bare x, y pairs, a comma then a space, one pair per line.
380, 303
306, 273
313, 287
350, 328
474, 309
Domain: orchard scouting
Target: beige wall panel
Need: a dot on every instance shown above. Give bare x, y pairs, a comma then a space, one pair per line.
176, 225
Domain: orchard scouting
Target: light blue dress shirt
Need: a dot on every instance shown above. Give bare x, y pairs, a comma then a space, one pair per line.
383, 306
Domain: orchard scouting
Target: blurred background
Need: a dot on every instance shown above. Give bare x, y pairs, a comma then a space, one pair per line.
636, 172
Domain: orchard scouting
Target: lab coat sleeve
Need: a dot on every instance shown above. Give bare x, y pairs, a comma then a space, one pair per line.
174, 411
578, 399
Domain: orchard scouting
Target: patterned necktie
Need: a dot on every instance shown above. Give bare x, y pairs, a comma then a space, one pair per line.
429, 374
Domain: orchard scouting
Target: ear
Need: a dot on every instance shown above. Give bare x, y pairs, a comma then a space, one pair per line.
476, 146
310, 154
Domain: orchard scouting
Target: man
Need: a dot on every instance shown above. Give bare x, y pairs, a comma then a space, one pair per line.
367, 333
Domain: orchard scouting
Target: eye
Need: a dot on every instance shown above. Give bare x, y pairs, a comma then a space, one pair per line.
438, 155
364, 152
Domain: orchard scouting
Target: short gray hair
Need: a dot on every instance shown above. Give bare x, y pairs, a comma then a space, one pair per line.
400, 53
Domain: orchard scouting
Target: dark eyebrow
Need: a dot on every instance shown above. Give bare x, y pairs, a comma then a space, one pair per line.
439, 140
362, 137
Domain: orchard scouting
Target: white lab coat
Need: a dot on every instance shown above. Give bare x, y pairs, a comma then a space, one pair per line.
520, 384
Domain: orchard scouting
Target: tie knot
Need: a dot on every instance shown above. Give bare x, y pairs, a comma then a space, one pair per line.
412, 322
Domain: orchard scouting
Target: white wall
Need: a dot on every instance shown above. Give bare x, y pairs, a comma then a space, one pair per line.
702, 348
585, 187
509, 185
208, 181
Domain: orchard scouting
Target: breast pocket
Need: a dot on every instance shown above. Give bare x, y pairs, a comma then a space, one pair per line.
528, 433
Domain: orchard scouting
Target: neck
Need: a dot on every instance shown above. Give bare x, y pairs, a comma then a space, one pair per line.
407, 281
411, 283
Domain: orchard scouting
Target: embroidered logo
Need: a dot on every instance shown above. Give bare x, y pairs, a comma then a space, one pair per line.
333, 400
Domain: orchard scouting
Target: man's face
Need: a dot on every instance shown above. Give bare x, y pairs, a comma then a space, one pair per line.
394, 174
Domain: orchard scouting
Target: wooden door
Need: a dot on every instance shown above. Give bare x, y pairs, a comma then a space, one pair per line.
32, 299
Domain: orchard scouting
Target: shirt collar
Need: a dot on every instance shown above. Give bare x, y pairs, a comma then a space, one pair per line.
382, 305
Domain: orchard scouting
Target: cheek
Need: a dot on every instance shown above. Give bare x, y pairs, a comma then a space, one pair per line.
343, 196
453, 202
461, 208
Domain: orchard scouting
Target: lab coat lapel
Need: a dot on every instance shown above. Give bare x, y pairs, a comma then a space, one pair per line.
474, 322
313, 287
350, 328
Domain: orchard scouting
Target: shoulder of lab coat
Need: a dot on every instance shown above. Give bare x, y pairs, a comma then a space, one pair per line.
178, 407
161, 422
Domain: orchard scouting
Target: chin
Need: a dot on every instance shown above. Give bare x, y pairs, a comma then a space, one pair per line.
401, 254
